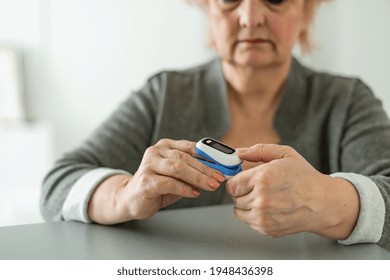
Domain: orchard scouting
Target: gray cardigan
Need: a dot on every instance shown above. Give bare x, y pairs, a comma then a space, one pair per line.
335, 123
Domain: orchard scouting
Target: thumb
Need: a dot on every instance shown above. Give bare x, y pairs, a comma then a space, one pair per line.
264, 152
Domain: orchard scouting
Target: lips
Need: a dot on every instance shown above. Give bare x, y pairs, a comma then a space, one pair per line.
254, 41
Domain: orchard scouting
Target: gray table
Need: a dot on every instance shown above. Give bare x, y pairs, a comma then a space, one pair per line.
195, 233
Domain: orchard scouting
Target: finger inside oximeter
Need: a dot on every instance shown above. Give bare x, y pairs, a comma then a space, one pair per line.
227, 172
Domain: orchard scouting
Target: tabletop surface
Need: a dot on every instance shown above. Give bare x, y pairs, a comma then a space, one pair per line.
192, 233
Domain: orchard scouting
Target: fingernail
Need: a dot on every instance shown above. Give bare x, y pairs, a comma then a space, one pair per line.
219, 177
195, 192
213, 183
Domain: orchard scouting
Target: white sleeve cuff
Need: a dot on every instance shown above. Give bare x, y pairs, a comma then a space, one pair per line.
371, 218
76, 204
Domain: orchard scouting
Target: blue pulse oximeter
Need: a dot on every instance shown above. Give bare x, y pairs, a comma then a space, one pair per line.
218, 156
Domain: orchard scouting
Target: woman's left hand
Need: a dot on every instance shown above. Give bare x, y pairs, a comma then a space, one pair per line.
285, 195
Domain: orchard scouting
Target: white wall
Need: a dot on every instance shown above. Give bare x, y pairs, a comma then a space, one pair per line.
82, 57
353, 38
93, 52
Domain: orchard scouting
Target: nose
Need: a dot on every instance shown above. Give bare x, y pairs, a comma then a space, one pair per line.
252, 13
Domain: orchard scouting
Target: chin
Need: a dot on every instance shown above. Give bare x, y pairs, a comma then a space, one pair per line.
256, 61
259, 59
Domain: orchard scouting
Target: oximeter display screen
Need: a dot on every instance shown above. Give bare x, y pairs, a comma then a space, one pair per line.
219, 146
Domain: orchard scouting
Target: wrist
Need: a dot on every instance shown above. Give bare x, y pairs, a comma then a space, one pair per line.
122, 210
105, 206
338, 209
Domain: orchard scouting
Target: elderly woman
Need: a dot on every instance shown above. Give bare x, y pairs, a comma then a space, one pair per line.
316, 147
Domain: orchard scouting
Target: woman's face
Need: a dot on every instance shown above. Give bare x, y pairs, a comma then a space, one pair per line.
256, 32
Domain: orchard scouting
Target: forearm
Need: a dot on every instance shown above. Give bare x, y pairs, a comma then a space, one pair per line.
105, 206
56, 188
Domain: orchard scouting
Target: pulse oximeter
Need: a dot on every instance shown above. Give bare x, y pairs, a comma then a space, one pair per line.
218, 156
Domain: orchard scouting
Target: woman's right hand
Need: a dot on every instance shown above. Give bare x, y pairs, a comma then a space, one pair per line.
168, 172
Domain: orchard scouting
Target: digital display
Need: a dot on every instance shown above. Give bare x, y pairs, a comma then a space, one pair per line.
219, 146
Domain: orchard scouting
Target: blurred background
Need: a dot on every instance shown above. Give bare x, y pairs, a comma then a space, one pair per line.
66, 64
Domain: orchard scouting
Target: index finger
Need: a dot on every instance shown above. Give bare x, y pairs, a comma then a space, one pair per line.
192, 162
181, 145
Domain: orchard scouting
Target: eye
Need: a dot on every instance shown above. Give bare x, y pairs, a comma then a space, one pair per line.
228, 4
276, 2
229, 1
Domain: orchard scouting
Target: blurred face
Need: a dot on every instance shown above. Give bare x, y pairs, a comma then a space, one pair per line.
256, 32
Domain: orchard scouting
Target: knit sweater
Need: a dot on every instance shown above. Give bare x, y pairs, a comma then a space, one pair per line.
335, 123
